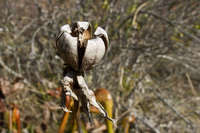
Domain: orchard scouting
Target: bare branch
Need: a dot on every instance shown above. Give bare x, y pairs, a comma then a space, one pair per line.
181, 29
20, 76
149, 123
188, 122
191, 84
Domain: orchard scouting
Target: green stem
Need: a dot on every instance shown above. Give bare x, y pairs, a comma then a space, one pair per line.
109, 124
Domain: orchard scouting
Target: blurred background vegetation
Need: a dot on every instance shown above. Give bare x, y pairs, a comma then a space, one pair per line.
152, 68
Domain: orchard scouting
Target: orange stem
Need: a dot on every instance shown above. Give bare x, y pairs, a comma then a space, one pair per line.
64, 122
16, 119
68, 103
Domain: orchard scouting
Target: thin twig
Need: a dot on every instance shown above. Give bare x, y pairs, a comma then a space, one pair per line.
25, 81
124, 114
8, 69
191, 84
134, 23
179, 28
148, 123
188, 122
179, 61
33, 49
24, 29
121, 77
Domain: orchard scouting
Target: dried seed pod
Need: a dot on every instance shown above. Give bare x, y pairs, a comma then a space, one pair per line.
78, 49
66, 46
96, 49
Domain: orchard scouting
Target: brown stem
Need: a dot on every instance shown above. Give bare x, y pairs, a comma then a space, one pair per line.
74, 116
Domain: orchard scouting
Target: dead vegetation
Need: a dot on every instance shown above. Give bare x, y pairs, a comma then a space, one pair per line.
152, 68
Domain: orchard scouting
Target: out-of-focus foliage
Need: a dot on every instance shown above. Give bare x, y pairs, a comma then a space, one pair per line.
152, 68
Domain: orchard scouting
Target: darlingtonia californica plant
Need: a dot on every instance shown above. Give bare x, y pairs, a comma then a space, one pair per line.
81, 51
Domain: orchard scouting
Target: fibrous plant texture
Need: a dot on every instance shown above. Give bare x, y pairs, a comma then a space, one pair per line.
81, 51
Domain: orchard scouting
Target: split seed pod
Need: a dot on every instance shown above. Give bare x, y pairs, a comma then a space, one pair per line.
79, 48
